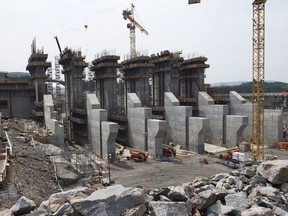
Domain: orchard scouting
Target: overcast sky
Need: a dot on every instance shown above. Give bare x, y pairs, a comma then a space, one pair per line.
221, 30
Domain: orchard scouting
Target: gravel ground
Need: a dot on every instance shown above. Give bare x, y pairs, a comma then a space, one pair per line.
31, 172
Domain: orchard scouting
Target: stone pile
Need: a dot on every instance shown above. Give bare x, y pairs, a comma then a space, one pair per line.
249, 192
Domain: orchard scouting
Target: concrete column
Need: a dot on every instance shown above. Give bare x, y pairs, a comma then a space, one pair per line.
95, 116
216, 115
51, 122
273, 120
137, 122
109, 132
49, 112
177, 120
198, 128
156, 130
36, 90
235, 126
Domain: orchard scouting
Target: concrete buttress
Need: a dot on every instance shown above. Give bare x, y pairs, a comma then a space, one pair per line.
198, 128
177, 120
95, 116
137, 122
156, 131
109, 135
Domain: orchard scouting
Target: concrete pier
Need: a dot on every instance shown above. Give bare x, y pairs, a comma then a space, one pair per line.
156, 131
235, 126
177, 120
51, 122
273, 120
198, 128
137, 122
216, 115
109, 133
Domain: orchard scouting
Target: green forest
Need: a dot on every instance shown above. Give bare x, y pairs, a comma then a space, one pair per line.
247, 87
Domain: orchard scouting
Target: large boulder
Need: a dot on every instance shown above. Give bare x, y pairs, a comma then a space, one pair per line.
65, 209
200, 182
237, 200
157, 192
279, 212
168, 208
23, 206
177, 194
284, 187
58, 199
257, 180
43, 209
275, 171
6, 212
248, 172
219, 209
113, 200
136, 211
204, 199
257, 211
66, 173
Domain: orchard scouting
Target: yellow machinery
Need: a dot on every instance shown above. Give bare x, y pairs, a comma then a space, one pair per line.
129, 14
257, 77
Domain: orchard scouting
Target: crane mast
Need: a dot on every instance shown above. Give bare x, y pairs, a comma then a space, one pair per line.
258, 79
129, 14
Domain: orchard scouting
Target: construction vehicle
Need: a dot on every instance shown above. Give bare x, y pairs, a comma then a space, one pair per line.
228, 154
258, 60
129, 14
168, 151
137, 155
205, 160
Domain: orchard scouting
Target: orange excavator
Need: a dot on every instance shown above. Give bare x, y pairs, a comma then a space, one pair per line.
228, 154
168, 151
137, 155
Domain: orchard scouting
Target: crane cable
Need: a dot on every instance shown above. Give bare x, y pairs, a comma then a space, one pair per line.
85, 25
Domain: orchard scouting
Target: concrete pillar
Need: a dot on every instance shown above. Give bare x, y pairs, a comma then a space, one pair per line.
198, 128
156, 130
273, 120
51, 122
235, 126
109, 132
177, 120
137, 122
216, 115
95, 116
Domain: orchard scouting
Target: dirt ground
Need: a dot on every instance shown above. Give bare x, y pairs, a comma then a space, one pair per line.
32, 173
183, 168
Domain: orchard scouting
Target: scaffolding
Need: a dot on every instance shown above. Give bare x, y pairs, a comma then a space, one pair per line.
58, 87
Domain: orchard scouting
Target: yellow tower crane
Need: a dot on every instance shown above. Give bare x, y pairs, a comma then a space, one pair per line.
257, 77
129, 14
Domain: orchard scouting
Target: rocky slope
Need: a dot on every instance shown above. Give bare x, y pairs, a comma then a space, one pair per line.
261, 191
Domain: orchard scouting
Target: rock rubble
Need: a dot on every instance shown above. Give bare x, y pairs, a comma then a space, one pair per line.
249, 192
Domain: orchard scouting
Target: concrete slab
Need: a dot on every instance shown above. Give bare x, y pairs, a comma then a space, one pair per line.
210, 148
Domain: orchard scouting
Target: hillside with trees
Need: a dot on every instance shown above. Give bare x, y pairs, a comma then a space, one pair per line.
246, 87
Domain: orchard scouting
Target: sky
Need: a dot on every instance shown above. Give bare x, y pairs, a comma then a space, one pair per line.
221, 30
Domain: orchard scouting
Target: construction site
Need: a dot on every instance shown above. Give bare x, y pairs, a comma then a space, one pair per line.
146, 121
